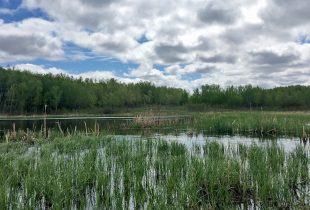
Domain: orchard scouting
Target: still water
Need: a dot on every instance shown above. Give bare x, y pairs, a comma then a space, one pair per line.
35, 123
114, 124
121, 127
199, 139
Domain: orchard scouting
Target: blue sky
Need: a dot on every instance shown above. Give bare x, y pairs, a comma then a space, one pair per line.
173, 43
19, 14
94, 62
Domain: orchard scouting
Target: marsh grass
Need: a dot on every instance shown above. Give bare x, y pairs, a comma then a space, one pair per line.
254, 123
104, 172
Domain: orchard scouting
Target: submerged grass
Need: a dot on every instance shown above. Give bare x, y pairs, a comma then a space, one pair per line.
102, 172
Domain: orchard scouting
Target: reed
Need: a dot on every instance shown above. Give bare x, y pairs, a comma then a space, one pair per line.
262, 124
254, 123
105, 172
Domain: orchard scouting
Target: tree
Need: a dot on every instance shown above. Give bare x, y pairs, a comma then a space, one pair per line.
52, 97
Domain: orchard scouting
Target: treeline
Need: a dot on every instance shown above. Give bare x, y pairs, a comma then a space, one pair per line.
289, 97
24, 92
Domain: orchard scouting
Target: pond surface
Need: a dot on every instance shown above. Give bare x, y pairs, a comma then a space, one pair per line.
111, 123
190, 141
121, 127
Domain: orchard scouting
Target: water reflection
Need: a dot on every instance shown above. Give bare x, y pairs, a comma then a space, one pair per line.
121, 127
289, 144
121, 124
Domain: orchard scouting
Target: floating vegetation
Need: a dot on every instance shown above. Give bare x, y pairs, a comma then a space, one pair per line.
106, 172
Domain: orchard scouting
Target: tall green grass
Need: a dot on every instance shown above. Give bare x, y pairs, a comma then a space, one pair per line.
103, 172
263, 124
254, 123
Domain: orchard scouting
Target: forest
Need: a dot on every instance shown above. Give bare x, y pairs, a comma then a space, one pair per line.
22, 92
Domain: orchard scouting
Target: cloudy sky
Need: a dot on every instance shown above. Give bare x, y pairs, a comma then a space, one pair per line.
181, 43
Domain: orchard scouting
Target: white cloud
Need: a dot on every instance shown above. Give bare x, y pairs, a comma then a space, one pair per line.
235, 42
37, 69
96, 75
28, 40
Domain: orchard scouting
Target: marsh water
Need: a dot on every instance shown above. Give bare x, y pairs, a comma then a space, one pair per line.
123, 152
108, 122
119, 127
113, 163
199, 139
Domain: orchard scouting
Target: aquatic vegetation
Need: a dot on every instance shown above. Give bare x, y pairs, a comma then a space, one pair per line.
259, 124
100, 171
254, 123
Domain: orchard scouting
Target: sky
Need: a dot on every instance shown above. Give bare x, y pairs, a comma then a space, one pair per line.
180, 43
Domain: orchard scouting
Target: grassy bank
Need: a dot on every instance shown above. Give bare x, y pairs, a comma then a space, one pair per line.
89, 172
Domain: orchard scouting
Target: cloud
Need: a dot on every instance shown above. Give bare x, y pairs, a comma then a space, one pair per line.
142, 73
97, 3
286, 14
246, 33
216, 12
207, 70
235, 42
27, 46
171, 53
37, 69
23, 41
93, 14
198, 68
94, 75
272, 58
147, 72
218, 58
